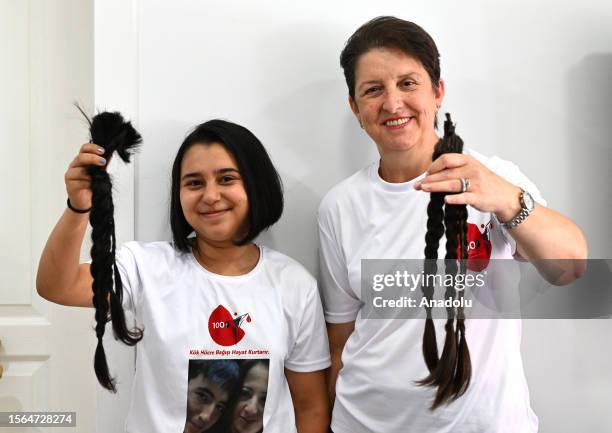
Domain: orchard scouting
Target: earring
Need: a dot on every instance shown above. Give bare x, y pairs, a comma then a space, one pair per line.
360, 124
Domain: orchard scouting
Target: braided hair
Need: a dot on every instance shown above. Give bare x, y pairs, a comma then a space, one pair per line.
451, 372
114, 134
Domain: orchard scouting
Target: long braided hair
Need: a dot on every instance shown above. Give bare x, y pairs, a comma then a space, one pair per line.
451, 372
114, 134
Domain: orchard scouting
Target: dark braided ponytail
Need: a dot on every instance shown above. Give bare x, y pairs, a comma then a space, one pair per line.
114, 134
451, 373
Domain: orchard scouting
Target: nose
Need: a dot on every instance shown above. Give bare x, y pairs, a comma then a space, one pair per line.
392, 100
211, 194
251, 406
206, 415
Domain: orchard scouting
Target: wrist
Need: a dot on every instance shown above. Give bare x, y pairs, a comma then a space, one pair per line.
76, 209
512, 205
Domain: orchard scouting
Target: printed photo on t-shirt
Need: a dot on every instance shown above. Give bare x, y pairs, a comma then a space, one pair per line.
226, 395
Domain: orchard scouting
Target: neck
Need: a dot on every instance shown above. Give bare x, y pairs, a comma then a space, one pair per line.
226, 258
405, 165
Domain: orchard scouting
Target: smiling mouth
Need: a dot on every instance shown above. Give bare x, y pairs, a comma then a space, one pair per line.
213, 214
398, 122
247, 421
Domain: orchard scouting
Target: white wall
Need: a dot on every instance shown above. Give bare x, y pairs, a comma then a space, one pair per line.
528, 81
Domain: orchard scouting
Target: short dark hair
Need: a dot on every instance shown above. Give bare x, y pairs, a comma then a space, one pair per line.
221, 372
262, 183
390, 32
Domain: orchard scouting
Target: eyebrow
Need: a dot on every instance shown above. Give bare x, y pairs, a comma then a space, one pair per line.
197, 174
212, 395
206, 391
402, 77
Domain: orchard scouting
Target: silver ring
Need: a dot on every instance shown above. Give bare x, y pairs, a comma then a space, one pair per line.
465, 184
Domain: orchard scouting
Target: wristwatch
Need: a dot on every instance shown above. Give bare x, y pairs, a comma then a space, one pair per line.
527, 205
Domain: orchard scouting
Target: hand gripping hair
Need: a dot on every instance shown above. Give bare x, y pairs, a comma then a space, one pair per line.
450, 373
114, 134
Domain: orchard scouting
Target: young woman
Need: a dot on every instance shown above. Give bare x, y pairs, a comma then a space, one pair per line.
210, 294
392, 71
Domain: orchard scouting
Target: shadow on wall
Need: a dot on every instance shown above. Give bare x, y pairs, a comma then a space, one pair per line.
590, 132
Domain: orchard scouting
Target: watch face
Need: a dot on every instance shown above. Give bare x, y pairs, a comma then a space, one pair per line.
528, 200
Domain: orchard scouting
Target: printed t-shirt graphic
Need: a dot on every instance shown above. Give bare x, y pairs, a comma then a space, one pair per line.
227, 393
225, 329
479, 246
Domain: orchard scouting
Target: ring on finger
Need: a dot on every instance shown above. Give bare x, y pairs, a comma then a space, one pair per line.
465, 184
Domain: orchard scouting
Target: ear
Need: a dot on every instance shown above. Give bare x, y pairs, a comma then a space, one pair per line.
439, 93
353, 105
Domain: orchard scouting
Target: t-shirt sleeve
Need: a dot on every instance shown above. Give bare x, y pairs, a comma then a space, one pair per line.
310, 351
340, 304
514, 175
128, 270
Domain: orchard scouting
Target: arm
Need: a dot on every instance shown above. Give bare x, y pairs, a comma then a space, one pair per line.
544, 236
60, 278
338, 334
552, 242
309, 401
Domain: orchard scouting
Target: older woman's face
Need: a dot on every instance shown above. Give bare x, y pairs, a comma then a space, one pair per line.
248, 413
395, 100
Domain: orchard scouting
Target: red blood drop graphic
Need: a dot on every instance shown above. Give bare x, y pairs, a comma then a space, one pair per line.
223, 329
249, 319
479, 249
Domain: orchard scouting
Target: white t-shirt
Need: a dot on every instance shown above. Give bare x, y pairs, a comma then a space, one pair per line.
274, 313
365, 217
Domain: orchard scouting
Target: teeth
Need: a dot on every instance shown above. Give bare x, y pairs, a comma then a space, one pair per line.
397, 122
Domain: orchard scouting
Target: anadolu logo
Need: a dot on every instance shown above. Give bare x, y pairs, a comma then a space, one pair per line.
226, 329
479, 247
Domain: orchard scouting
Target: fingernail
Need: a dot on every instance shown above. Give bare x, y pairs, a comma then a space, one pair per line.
102, 161
100, 150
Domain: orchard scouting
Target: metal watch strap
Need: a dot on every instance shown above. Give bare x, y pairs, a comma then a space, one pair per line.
520, 217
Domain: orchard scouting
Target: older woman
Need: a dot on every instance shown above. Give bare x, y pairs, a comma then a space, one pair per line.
392, 71
247, 414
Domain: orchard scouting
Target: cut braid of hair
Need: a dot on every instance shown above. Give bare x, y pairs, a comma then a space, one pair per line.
442, 375
114, 134
463, 375
435, 231
451, 373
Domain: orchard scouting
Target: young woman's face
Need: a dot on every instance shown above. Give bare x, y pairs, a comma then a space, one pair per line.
206, 402
248, 413
395, 100
212, 194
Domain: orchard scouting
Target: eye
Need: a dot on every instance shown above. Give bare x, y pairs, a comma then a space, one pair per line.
203, 397
372, 90
245, 393
220, 408
227, 179
192, 183
408, 83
